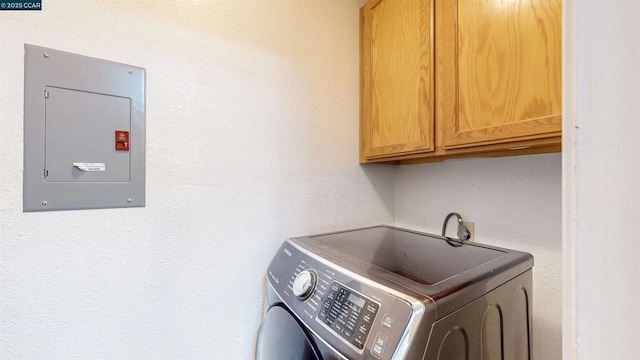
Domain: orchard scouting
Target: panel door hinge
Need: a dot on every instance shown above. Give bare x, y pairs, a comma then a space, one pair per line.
45, 173
46, 94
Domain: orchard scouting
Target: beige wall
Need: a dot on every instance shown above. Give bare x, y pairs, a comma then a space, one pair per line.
252, 135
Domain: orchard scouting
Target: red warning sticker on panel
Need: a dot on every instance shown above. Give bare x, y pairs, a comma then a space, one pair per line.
122, 140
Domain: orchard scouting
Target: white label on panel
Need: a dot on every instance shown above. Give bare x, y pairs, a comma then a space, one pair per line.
90, 166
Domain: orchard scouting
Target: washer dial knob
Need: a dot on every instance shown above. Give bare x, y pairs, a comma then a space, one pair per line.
304, 284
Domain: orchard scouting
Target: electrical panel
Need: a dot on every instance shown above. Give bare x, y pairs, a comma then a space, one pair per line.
84, 132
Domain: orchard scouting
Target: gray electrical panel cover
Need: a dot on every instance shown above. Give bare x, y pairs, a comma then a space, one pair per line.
84, 132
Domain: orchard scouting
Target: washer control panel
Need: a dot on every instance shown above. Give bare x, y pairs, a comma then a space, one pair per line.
351, 313
348, 314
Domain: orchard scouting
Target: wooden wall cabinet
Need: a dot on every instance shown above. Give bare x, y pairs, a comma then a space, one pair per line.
445, 79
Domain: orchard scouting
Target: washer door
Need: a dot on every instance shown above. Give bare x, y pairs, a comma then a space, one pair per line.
282, 337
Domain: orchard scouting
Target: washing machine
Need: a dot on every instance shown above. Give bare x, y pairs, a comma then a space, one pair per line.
385, 293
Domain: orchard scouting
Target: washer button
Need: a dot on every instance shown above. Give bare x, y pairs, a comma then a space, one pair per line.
372, 307
366, 318
363, 328
378, 345
388, 321
358, 341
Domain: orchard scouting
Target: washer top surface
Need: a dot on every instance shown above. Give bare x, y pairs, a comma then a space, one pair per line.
423, 259
425, 263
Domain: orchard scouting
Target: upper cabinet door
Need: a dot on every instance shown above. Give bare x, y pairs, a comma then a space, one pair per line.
397, 78
499, 77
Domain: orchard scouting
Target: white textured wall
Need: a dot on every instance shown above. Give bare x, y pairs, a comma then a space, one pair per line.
516, 203
252, 134
602, 180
